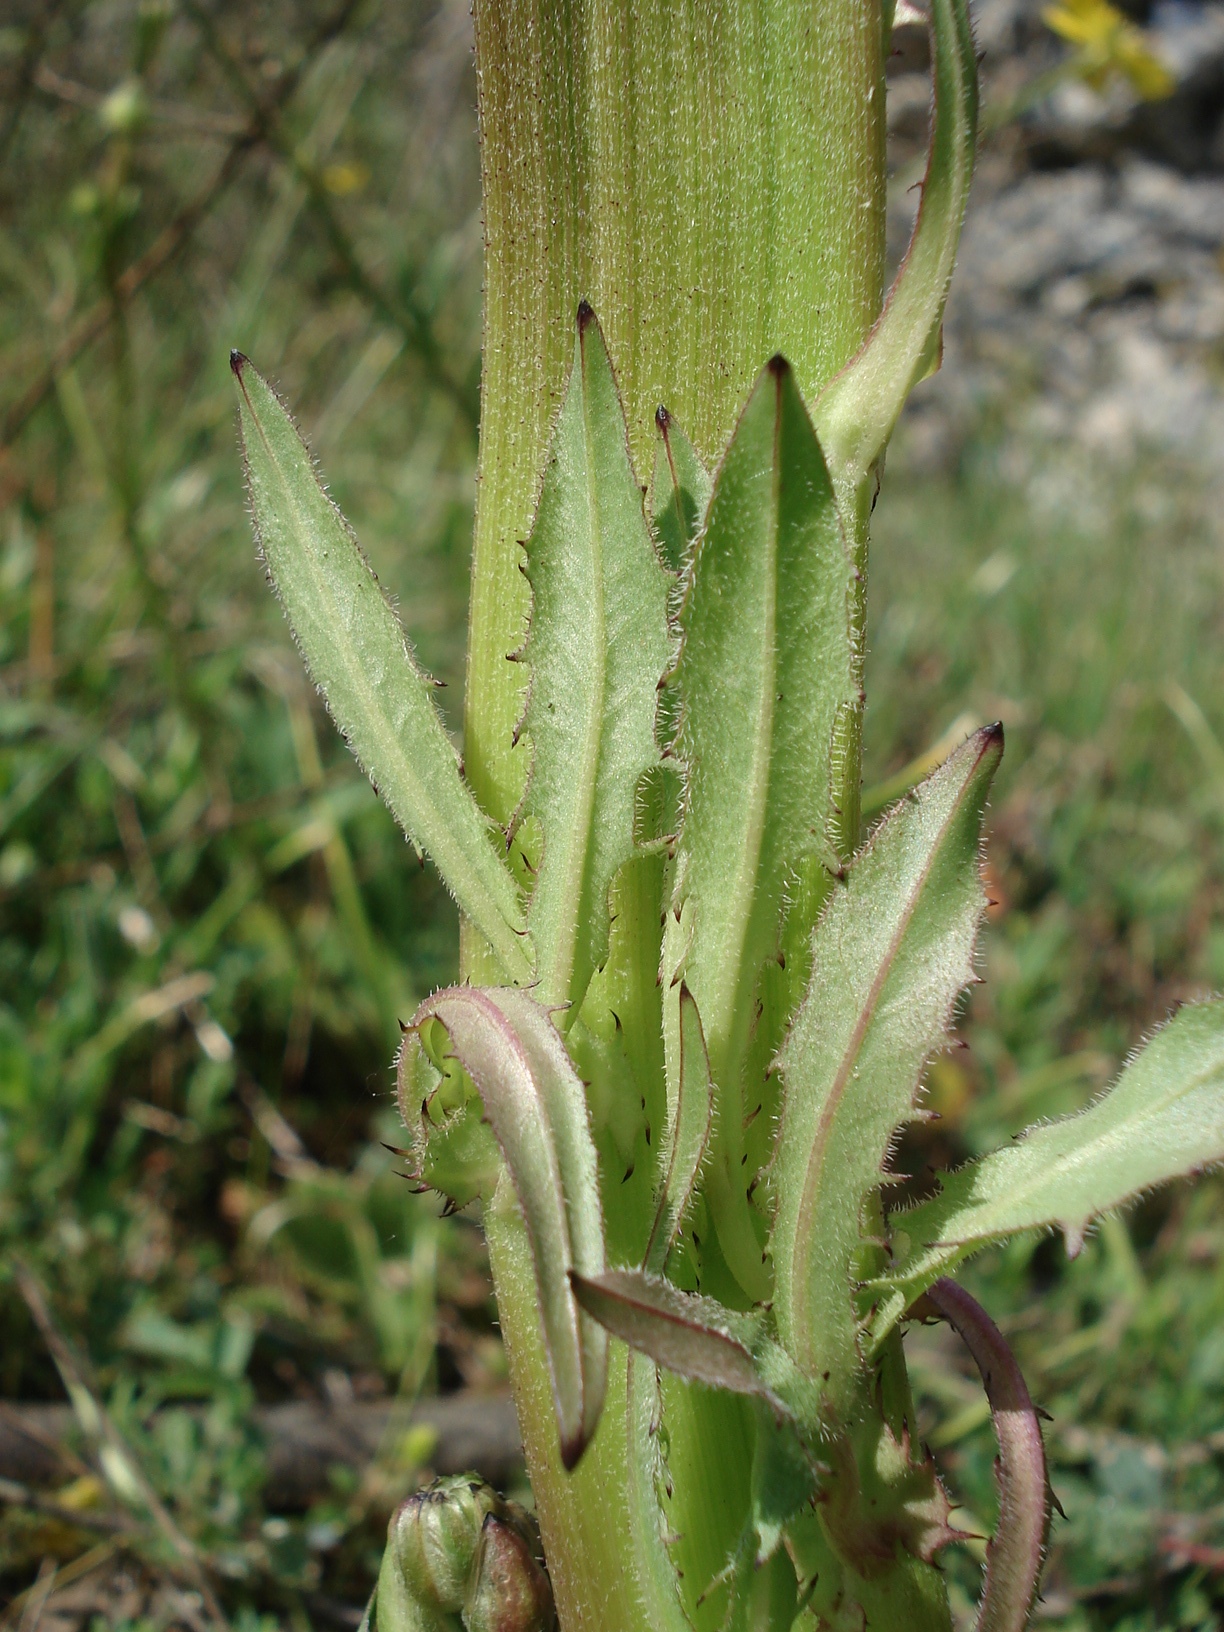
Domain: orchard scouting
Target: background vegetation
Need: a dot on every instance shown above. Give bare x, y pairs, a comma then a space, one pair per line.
209, 926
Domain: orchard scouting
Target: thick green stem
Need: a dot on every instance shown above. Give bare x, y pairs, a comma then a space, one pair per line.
711, 180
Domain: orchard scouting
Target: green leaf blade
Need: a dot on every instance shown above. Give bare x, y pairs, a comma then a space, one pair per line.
597, 645
766, 670
534, 1100
1163, 1118
357, 654
891, 953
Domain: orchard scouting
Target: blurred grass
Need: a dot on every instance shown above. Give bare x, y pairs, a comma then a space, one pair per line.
209, 926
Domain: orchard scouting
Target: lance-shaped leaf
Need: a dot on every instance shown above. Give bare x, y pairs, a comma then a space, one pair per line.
858, 409
696, 1337
355, 648
765, 672
890, 955
534, 1101
1162, 1118
690, 1111
597, 645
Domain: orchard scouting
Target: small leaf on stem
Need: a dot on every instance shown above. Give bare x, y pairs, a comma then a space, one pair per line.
765, 671
687, 1136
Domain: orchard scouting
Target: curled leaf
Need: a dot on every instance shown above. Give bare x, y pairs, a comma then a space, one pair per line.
858, 409
1015, 1554
534, 1101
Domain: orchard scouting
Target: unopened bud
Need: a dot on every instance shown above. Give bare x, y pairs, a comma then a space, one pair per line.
509, 1591
460, 1558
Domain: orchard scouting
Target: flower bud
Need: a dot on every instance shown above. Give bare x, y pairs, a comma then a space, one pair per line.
460, 1558
432, 1541
509, 1590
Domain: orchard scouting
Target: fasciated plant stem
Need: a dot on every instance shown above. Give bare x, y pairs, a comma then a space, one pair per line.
713, 185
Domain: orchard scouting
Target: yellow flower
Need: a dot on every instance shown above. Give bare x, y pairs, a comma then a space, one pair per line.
1109, 43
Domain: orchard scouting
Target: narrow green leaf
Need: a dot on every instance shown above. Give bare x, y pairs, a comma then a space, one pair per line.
690, 1113
679, 492
510, 1048
1162, 1118
858, 409
890, 955
355, 649
597, 645
766, 670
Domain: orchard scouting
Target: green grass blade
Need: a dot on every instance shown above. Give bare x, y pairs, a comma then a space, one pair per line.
534, 1101
891, 954
597, 646
857, 411
1164, 1117
355, 649
765, 672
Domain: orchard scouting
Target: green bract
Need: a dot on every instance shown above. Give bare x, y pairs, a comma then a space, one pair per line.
687, 1046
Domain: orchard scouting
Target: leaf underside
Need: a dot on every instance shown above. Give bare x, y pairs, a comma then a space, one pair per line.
355, 649
598, 642
891, 953
534, 1101
1164, 1117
